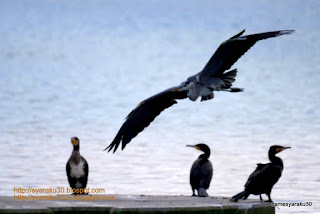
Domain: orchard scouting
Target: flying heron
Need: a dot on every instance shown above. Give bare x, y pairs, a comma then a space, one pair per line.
212, 78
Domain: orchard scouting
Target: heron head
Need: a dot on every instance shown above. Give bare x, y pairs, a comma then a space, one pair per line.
185, 84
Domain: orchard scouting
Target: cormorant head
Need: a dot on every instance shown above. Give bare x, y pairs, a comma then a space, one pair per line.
276, 149
202, 147
75, 141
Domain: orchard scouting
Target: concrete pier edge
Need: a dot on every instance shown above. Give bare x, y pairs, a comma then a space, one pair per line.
133, 204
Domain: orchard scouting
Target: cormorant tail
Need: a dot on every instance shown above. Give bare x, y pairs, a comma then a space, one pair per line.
202, 192
238, 196
229, 77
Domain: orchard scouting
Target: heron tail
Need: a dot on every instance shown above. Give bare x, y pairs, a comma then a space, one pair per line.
202, 192
238, 196
229, 77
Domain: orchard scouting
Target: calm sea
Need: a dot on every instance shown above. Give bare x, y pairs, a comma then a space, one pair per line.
77, 68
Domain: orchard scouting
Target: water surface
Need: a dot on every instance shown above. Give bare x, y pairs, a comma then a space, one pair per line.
78, 68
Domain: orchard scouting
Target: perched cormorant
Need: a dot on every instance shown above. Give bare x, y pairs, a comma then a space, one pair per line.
264, 176
77, 169
201, 171
213, 77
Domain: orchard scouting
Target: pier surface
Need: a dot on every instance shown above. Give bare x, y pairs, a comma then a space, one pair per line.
134, 204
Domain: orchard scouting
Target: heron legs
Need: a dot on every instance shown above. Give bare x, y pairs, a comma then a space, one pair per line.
208, 97
232, 89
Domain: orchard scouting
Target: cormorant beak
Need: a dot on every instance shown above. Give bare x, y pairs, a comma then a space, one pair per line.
282, 148
74, 142
194, 146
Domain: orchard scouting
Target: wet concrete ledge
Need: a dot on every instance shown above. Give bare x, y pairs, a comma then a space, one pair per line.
136, 204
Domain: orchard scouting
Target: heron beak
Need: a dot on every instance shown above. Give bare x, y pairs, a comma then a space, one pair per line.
177, 89
140, 104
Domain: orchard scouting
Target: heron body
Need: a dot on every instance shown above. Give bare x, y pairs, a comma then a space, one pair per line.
196, 89
77, 168
264, 177
213, 77
201, 171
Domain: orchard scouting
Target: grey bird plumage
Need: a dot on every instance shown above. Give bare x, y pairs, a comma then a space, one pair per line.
213, 77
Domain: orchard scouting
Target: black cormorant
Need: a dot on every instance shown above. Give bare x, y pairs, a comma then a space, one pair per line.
77, 169
264, 177
201, 171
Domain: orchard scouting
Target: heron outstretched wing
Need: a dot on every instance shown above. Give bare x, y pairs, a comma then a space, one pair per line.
232, 49
144, 114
